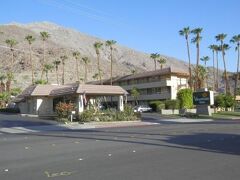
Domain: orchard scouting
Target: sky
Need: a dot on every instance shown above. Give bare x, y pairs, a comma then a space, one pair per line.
150, 26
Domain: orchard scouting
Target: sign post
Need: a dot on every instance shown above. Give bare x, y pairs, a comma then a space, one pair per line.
203, 99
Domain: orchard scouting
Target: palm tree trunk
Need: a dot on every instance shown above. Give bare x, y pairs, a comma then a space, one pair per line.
237, 75
78, 79
63, 74
217, 70
227, 88
206, 74
57, 75
32, 68
197, 74
85, 76
155, 64
189, 64
43, 60
47, 75
111, 65
99, 70
214, 78
161, 66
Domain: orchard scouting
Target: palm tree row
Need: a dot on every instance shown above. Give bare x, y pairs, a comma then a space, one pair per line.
157, 58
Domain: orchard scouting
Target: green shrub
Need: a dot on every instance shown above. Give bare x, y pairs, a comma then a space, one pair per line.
157, 105
87, 115
172, 104
224, 101
185, 97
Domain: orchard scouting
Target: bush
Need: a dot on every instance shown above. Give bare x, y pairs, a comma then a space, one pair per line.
185, 97
157, 105
87, 115
224, 101
63, 110
172, 104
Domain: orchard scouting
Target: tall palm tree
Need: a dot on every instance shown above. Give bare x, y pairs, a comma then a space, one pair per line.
217, 50
97, 46
236, 39
161, 61
224, 47
76, 55
44, 36
86, 61
63, 59
110, 43
197, 32
155, 57
11, 43
185, 32
205, 59
47, 68
56, 63
213, 48
30, 39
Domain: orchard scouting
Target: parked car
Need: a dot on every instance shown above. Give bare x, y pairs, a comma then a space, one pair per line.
142, 108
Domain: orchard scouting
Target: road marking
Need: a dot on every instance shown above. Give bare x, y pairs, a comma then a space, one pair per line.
109, 155
26, 147
6, 170
76, 142
80, 159
64, 173
53, 144
134, 151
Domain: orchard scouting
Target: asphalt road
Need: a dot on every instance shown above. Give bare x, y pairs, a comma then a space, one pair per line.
192, 151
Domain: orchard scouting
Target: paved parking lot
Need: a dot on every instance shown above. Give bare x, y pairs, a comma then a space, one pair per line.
166, 151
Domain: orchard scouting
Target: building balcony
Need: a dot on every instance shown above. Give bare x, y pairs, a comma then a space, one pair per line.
162, 83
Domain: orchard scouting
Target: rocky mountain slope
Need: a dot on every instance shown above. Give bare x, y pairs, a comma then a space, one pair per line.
63, 41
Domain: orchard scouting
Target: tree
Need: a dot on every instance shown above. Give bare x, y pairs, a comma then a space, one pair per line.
30, 39
135, 94
47, 68
196, 40
44, 36
236, 39
97, 46
11, 43
202, 73
2, 84
63, 59
86, 61
76, 55
213, 47
56, 63
224, 47
110, 43
185, 32
133, 71
217, 49
155, 57
205, 59
161, 61
185, 97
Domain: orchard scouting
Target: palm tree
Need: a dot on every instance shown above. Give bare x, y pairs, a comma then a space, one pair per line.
47, 68
185, 32
197, 32
213, 48
56, 64
110, 44
97, 46
86, 61
76, 55
162, 61
11, 43
30, 39
44, 35
155, 57
217, 49
205, 59
236, 39
135, 94
133, 71
63, 59
224, 47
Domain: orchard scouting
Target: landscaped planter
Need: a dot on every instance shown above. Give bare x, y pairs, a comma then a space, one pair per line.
169, 111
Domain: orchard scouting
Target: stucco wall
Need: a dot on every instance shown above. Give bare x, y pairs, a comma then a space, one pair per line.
45, 106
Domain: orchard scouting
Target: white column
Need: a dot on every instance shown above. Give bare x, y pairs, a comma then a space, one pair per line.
80, 104
38, 105
120, 103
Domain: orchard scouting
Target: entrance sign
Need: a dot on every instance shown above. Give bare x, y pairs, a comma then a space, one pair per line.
203, 98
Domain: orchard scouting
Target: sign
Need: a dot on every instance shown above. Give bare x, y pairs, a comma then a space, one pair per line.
202, 98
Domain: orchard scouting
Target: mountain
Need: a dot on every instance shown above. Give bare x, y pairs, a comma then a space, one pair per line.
64, 41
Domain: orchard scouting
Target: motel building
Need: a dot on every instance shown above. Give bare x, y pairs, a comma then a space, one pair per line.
162, 84
41, 100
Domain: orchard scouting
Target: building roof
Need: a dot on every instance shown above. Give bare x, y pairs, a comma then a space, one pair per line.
100, 89
62, 90
164, 71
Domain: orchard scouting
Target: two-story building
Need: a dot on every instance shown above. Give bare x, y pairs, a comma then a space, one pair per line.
161, 84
